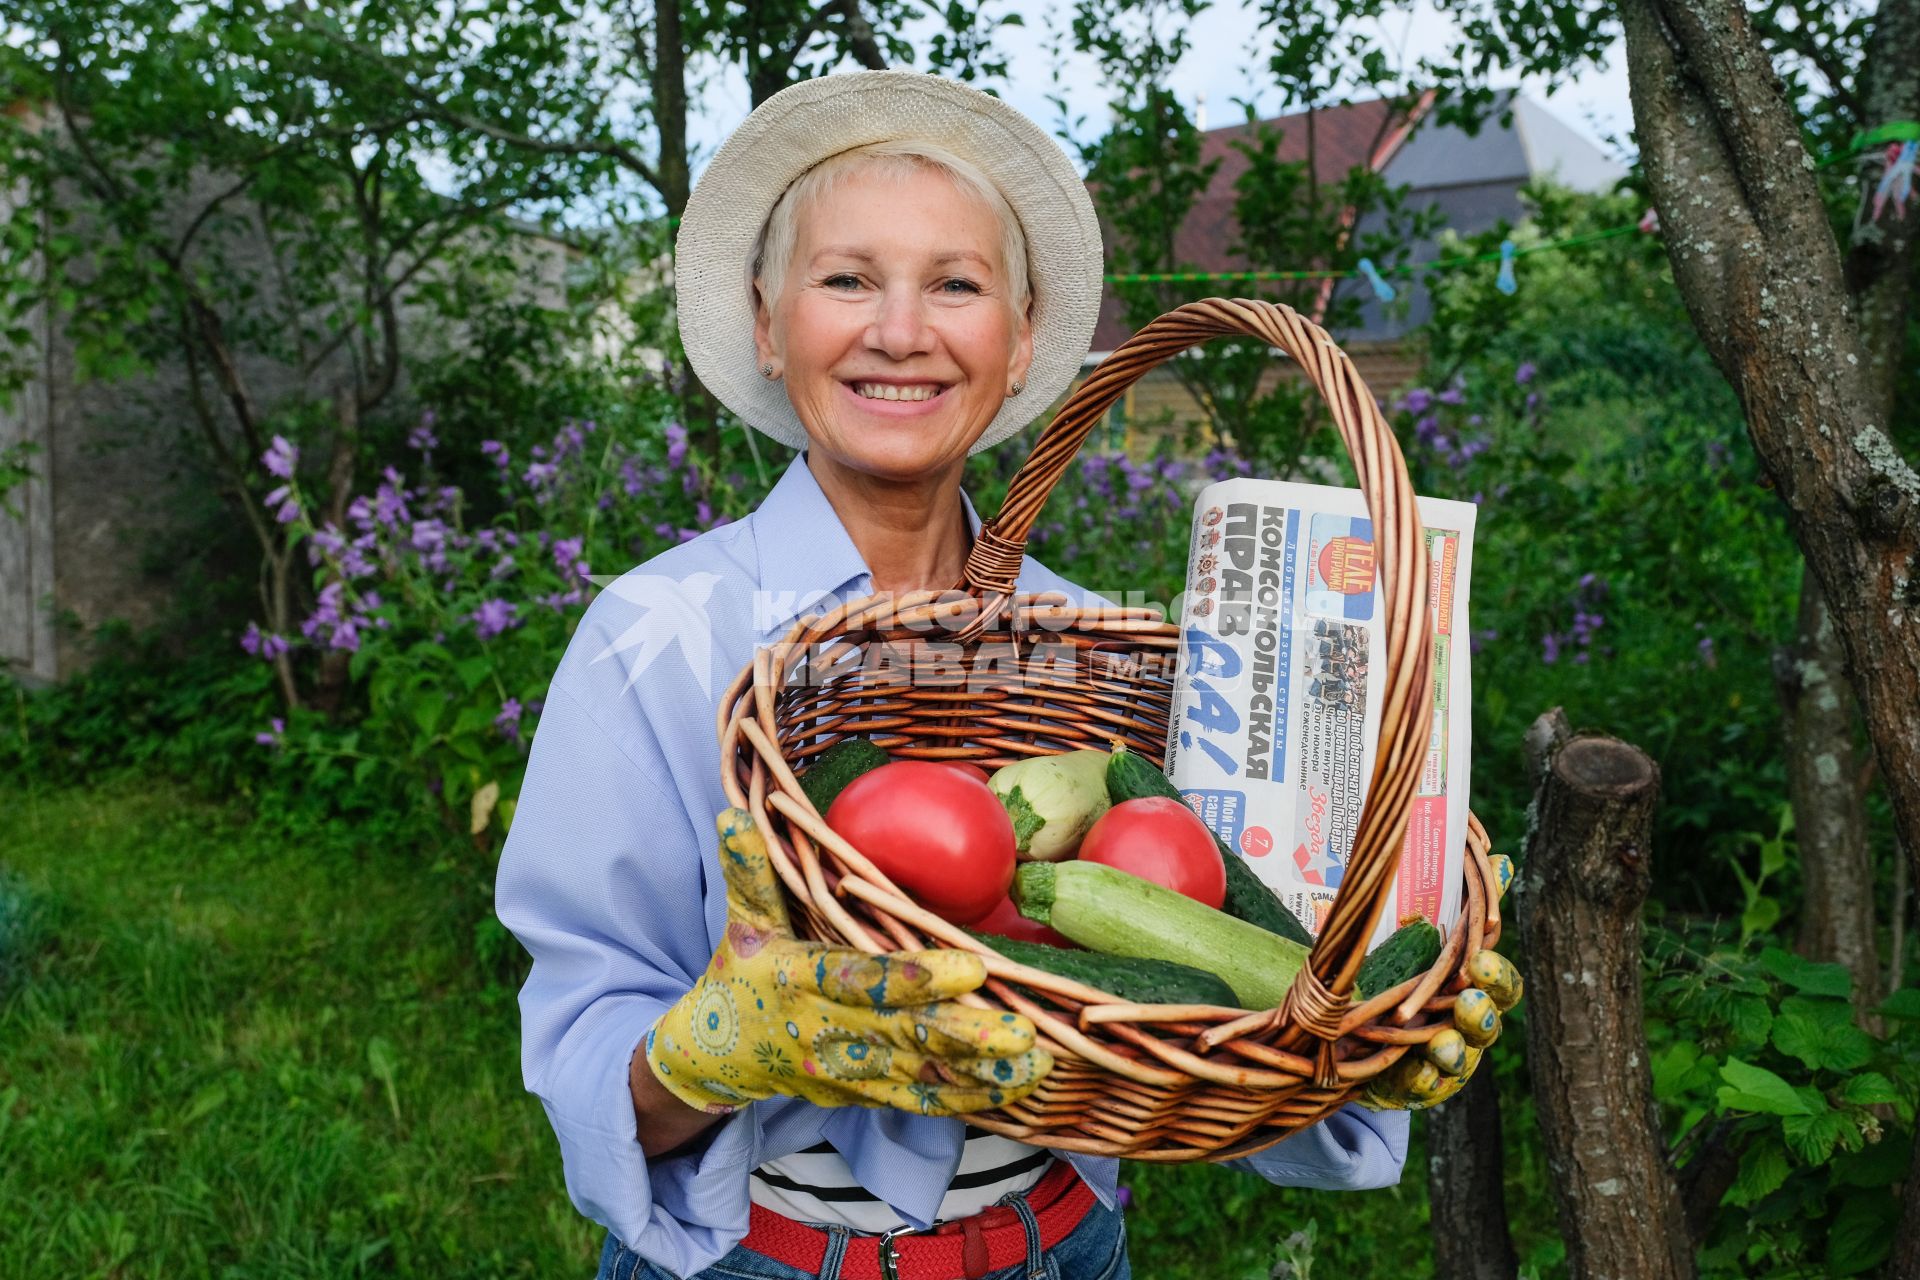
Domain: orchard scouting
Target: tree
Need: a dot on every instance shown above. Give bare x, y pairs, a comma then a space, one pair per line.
245, 204
611, 81
1290, 216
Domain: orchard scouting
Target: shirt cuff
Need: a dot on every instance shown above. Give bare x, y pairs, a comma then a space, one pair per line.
1353, 1149
681, 1211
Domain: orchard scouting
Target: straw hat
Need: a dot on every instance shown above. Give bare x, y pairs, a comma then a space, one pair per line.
805, 123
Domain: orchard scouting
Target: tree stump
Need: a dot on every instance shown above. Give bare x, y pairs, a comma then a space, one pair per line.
1583, 881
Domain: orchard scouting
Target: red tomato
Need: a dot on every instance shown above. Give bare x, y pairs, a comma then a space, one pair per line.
967, 767
937, 831
1005, 921
1159, 839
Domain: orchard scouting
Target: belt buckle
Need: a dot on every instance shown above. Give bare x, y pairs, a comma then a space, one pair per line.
889, 1258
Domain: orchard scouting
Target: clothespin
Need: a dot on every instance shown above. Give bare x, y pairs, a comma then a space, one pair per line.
1896, 180
1650, 221
1381, 289
1505, 282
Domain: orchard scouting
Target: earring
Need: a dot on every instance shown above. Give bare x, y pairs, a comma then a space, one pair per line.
1016, 388
766, 370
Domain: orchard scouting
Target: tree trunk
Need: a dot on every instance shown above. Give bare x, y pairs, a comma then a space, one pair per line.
1829, 823
1755, 259
1465, 1186
699, 411
1584, 879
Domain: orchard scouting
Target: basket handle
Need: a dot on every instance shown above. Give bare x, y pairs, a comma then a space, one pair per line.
1320, 995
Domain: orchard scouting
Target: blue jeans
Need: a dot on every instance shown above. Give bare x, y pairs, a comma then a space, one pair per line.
1096, 1250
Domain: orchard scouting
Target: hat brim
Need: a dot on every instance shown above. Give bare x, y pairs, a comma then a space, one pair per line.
804, 124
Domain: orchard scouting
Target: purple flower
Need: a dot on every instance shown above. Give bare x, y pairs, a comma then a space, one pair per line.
346, 636
288, 503
493, 617
421, 438
1417, 401
1550, 648
250, 639
389, 505
503, 567
1524, 374
280, 458
276, 736
1452, 395
1708, 658
508, 721
676, 445
539, 474
1124, 1197
497, 454
566, 558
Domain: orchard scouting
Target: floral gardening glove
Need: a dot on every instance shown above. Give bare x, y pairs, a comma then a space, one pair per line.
1423, 1080
838, 1027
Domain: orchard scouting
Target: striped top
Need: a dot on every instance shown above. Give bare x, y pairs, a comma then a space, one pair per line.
816, 1186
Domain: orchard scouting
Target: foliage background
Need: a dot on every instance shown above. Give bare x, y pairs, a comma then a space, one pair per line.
256, 1015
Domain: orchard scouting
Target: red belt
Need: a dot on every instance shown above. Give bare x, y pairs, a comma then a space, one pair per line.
965, 1249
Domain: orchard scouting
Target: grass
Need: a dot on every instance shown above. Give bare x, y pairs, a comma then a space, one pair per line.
225, 1054
191, 1055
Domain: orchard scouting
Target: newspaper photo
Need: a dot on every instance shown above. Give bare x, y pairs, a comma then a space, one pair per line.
1274, 725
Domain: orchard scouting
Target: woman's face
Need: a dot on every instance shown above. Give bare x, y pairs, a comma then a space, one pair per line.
896, 289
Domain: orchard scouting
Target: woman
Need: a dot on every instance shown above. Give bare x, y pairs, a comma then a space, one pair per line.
887, 271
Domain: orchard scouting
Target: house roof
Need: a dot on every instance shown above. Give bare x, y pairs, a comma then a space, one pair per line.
1473, 179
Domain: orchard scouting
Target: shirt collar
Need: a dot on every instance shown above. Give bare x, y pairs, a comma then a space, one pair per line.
804, 550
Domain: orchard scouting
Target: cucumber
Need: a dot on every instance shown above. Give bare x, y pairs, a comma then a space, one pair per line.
1124, 915
838, 765
1248, 898
1141, 981
1410, 952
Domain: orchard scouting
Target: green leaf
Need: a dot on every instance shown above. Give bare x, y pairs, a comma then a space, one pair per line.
1751, 1088
1867, 1089
1807, 976
1820, 1044
1798, 1036
1750, 1019
204, 1103
1813, 1137
1762, 1170
1904, 1003
1671, 1067
385, 1063
1861, 1235
474, 671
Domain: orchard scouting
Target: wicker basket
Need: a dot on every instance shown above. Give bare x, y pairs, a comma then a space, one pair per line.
978, 674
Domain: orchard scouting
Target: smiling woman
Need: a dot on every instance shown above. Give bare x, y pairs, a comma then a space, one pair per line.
892, 298
872, 270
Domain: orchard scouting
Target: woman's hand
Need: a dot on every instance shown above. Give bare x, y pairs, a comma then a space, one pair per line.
838, 1027
1427, 1079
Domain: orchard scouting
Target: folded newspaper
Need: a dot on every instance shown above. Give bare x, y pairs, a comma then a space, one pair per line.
1275, 720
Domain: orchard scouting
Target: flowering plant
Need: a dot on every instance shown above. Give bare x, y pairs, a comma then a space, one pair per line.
435, 629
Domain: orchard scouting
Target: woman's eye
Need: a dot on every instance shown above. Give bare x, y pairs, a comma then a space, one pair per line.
968, 285
833, 282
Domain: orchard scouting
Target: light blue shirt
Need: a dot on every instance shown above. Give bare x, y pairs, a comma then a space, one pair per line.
611, 881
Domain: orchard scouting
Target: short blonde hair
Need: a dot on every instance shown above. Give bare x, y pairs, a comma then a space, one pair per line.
898, 160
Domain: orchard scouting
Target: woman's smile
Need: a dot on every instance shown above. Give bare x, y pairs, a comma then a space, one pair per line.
897, 400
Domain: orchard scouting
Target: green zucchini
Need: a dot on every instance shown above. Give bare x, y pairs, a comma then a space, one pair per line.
1410, 952
1142, 981
1248, 898
1121, 914
838, 765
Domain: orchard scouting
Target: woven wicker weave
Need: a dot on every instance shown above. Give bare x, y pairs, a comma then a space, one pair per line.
982, 675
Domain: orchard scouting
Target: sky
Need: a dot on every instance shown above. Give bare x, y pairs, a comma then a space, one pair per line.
1218, 68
